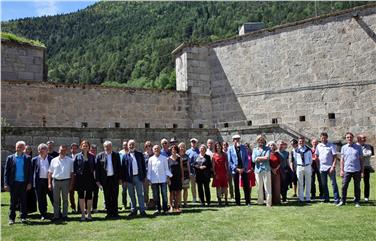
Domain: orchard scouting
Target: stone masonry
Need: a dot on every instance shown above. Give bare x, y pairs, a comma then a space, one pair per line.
22, 62
311, 76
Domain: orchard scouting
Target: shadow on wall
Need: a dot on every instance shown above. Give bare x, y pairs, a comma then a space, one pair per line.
227, 111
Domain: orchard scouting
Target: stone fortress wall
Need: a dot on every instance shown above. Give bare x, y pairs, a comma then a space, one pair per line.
311, 76
297, 79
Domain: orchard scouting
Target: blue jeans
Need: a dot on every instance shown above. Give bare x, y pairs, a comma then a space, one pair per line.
138, 185
324, 182
157, 188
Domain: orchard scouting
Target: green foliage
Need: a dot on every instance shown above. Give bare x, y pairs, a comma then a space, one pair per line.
22, 40
131, 42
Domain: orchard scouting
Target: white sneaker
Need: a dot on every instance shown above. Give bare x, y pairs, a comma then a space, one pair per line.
340, 204
357, 205
366, 199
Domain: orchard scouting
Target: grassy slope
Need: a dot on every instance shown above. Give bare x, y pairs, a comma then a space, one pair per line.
318, 221
14, 38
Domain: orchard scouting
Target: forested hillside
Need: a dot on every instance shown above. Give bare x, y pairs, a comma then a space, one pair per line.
130, 43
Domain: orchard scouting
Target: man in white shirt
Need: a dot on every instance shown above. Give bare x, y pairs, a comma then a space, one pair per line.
40, 165
60, 173
158, 176
107, 175
303, 159
327, 156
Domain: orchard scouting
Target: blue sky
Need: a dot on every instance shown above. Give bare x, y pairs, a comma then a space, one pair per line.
22, 9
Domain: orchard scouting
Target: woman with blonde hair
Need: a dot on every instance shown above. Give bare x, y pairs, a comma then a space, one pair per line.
185, 170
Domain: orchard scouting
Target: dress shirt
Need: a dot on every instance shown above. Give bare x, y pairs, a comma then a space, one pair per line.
110, 167
61, 168
307, 156
43, 167
158, 169
326, 153
351, 155
134, 164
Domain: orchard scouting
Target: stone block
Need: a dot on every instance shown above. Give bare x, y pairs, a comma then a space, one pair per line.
26, 75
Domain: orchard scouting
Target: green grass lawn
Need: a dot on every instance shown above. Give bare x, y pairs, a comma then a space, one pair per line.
317, 221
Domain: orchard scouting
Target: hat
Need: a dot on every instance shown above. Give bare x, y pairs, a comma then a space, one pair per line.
172, 140
50, 142
236, 136
193, 139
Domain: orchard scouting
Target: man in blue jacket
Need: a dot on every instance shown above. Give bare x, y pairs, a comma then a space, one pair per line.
237, 156
134, 174
17, 180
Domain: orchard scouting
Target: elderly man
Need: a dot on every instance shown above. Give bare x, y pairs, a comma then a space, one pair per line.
327, 156
41, 164
193, 154
159, 175
60, 173
107, 174
351, 167
303, 159
134, 174
17, 180
237, 157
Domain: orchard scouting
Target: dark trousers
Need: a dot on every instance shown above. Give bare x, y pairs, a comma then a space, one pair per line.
201, 185
316, 173
124, 196
345, 184
366, 182
95, 197
71, 200
160, 188
245, 188
18, 195
42, 192
111, 192
285, 183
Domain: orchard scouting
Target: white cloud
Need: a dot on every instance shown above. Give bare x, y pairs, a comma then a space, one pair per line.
46, 8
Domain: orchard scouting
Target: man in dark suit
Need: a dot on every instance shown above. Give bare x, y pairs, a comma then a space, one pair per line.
17, 180
40, 165
237, 156
133, 174
107, 174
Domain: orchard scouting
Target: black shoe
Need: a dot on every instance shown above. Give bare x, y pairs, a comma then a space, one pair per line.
23, 220
157, 212
143, 214
65, 219
132, 214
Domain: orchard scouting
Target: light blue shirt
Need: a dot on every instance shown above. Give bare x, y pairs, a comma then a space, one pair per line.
303, 152
351, 154
193, 154
263, 166
326, 153
20, 175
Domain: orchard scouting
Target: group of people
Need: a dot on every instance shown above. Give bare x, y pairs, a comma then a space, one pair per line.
173, 166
